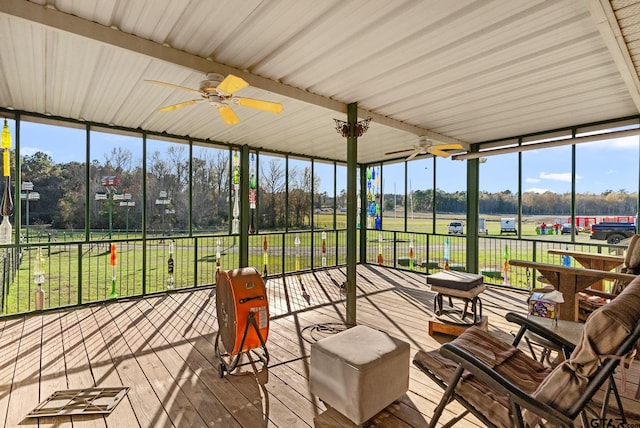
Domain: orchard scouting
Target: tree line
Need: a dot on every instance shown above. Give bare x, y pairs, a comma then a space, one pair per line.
609, 202
284, 197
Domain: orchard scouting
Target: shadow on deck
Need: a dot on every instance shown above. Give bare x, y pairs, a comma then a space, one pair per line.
163, 348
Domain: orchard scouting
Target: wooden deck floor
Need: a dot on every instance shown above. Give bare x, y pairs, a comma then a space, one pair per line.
163, 348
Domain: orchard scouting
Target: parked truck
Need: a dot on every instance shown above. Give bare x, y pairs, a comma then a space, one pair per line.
613, 232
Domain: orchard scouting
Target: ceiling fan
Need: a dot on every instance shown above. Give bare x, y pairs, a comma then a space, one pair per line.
218, 91
426, 146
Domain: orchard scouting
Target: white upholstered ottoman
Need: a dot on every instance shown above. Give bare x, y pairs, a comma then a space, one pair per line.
359, 371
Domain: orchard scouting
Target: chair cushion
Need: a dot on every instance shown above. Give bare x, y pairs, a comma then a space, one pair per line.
604, 332
632, 259
455, 280
507, 360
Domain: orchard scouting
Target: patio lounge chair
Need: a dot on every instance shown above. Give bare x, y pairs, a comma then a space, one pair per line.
504, 387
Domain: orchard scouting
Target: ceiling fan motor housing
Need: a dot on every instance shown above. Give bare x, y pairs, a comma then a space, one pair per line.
212, 82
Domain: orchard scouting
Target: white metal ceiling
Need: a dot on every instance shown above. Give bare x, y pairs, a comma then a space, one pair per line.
468, 70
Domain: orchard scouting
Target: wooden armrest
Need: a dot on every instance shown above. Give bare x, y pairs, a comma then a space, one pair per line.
572, 270
587, 255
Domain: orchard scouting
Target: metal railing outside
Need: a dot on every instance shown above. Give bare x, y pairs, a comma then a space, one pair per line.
431, 253
78, 272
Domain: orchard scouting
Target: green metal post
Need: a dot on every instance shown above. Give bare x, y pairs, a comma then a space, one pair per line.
406, 195
573, 188
363, 214
519, 220
231, 191
87, 185
244, 207
335, 210
473, 211
190, 216
286, 194
79, 250
352, 209
87, 209
257, 213
17, 215
434, 200
313, 225
144, 213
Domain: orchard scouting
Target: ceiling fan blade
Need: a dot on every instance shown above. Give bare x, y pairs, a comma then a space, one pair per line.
171, 85
438, 152
228, 115
413, 155
399, 151
260, 104
232, 83
447, 146
179, 105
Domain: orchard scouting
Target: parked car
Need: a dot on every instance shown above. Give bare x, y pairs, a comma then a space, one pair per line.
456, 227
566, 229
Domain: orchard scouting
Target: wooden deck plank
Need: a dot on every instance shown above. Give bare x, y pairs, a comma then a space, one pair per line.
369, 315
174, 401
144, 400
10, 339
52, 371
237, 405
209, 408
279, 400
163, 347
286, 335
100, 365
25, 391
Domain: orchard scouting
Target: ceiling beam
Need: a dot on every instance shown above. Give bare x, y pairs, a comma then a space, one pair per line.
607, 24
50, 17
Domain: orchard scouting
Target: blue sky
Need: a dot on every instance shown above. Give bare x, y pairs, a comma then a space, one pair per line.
604, 165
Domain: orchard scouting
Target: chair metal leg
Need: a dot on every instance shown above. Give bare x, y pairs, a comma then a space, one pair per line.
446, 397
517, 415
456, 419
616, 394
533, 352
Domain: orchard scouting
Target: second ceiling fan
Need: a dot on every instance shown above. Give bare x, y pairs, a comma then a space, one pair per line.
218, 92
426, 146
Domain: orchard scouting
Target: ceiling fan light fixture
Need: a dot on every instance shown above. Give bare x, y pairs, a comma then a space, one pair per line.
215, 100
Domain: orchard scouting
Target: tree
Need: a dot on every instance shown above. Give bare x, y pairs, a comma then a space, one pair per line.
272, 194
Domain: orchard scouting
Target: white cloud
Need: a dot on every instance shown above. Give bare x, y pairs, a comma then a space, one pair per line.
557, 176
531, 180
536, 190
